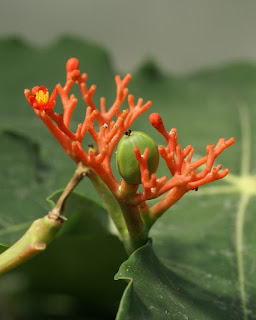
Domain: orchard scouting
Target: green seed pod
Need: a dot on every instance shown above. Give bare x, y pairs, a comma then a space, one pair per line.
127, 164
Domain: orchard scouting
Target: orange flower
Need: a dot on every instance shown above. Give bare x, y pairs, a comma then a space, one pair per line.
40, 98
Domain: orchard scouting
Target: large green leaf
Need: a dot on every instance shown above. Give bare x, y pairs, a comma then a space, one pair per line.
205, 244
170, 293
198, 274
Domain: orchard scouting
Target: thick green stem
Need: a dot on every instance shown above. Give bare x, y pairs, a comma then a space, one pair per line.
42, 231
110, 203
138, 234
35, 240
123, 212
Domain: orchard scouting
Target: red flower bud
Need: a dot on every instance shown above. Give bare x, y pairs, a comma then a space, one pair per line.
157, 122
72, 64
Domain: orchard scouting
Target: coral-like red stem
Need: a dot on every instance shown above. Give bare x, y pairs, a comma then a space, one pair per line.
56, 132
183, 170
96, 163
58, 119
168, 200
110, 130
69, 103
150, 186
112, 124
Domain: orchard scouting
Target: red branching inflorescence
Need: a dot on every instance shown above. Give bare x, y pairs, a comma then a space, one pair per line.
180, 164
110, 130
182, 168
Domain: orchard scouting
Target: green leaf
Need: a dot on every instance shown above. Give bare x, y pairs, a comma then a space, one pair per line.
166, 294
205, 243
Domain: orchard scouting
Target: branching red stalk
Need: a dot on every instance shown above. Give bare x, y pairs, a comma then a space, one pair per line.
113, 123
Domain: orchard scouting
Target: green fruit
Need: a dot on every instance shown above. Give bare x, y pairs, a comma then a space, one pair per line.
127, 164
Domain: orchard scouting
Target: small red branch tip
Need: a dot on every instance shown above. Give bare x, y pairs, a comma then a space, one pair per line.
72, 64
157, 122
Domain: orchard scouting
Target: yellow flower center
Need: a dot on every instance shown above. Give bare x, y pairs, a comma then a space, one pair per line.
41, 97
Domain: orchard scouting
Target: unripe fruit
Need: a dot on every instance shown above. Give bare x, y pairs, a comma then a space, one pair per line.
127, 164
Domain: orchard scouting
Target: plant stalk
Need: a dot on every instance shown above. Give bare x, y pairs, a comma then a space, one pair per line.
110, 203
42, 231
